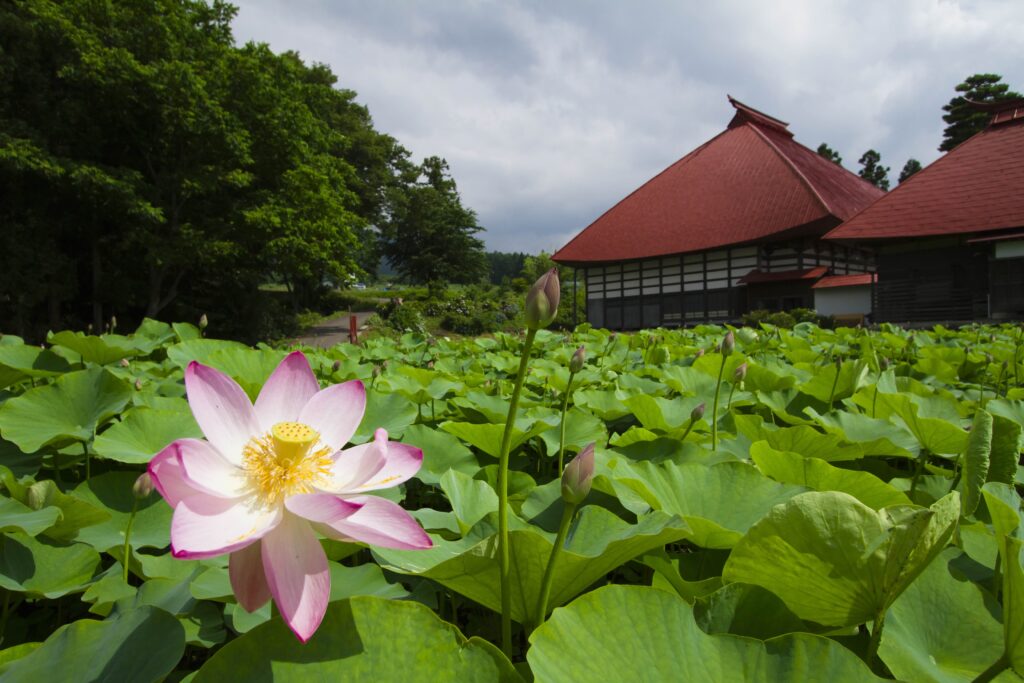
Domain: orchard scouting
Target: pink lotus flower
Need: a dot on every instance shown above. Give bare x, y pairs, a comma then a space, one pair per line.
273, 475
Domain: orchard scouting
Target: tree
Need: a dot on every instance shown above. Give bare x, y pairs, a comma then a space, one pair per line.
829, 153
873, 171
963, 118
430, 236
505, 265
910, 168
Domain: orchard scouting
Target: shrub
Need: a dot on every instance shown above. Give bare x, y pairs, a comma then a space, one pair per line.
781, 319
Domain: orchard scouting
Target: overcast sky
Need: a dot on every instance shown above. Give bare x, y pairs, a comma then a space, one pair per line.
550, 112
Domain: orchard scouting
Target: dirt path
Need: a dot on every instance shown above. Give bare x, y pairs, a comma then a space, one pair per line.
331, 332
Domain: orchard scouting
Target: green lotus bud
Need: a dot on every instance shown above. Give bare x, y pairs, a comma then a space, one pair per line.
578, 475
38, 495
698, 412
113, 323
577, 360
728, 344
124, 363
143, 486
740, 373
138, 385
203, 321
542, 300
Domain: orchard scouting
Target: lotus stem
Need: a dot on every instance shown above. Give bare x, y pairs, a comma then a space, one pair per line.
874, 400
6, 613
732, 390
921, 459
714, 408
568, 512
561, 435
998, 667
876, 638
126, 561
997, 582
85, 451
835, 383
689, 428
503, 549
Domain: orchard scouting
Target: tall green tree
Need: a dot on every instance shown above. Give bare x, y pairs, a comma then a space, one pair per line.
431, 235
962, 118
829, 153
873, 171
910, 168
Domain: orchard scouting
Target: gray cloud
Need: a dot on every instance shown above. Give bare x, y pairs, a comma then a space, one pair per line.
549, 113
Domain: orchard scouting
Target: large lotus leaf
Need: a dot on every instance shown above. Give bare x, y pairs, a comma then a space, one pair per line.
113, 491
67, 410
816, 474
249, 367
941, 629
12, 654
143, 432
745, 610
598, 543
873, 436
662, 414
24, 360
1013, 602
487, 437
581, 428
15, 516
103, 350
1006, 448
938, 435
392, 412
834, 560
976, 461
441, 452
478, 406
198, 349
635, 633
361, 639
1004, 509
73, 512
140, 645
43, 568
825, 385
708, 498
1011, 409
607, 404
422, 385
667, 577
471, 499
807, 440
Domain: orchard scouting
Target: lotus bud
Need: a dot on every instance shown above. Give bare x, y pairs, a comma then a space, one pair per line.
430, 365
88, 328
1005, 365
113, 323
36, 497
988, 358
578, 475
885, 363
728, 344
143, 486
203, 321
542, 300
376, 371
138, 385
740, 373
838, 361
124, 363
700, 352
335, 366
577, 360
698, 412
612, 337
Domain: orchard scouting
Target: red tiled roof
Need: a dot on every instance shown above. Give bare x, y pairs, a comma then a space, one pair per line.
748, 183
977, 187
756, 276
856, 280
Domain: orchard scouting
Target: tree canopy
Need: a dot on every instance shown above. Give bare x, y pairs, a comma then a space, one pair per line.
829, 153
910, 168
962, 118
873, 171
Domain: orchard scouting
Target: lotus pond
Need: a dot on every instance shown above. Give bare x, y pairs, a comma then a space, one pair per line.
809, 505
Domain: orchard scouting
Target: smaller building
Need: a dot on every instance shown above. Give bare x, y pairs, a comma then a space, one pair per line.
950, 240
847, 298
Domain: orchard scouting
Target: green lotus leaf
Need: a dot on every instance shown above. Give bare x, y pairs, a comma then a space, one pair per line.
20, 361
441, 452
1006, 447
392, 412
581, 428
825, 385
705, 497
635, 633
1004, 509
43, 568
745, 610
143, 432
941, 629
604, 403
1013, 603
834, 560
74, 513
487, 437
818, 475
70, 409
598, 543
113, 491
471, 499
976, 461
102, 350
15, 516
662, 414
141, 645
361, 639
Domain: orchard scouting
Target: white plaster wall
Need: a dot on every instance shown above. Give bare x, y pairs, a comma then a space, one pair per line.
843, 300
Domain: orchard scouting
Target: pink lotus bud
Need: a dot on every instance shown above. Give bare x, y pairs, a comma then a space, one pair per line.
542, 300
697, 413
143, 486
740, 373
728, 344
578, 475
577, 360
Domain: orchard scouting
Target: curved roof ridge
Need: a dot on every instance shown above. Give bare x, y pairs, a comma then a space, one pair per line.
793, 167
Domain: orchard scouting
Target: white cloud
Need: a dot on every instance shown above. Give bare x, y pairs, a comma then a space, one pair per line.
549, 113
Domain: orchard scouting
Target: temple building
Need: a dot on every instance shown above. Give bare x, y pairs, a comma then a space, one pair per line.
733, 226
950, 239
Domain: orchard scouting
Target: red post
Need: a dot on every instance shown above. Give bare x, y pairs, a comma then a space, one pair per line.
353, 330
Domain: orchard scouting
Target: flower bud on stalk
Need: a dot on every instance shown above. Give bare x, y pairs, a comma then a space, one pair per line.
700, 352
138, 385
143, 486
113, 323
542, 300
203, 321
728, 344
577, 360
578, 475
36, 496
697, 413
124, 363
740, 373
335, 366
